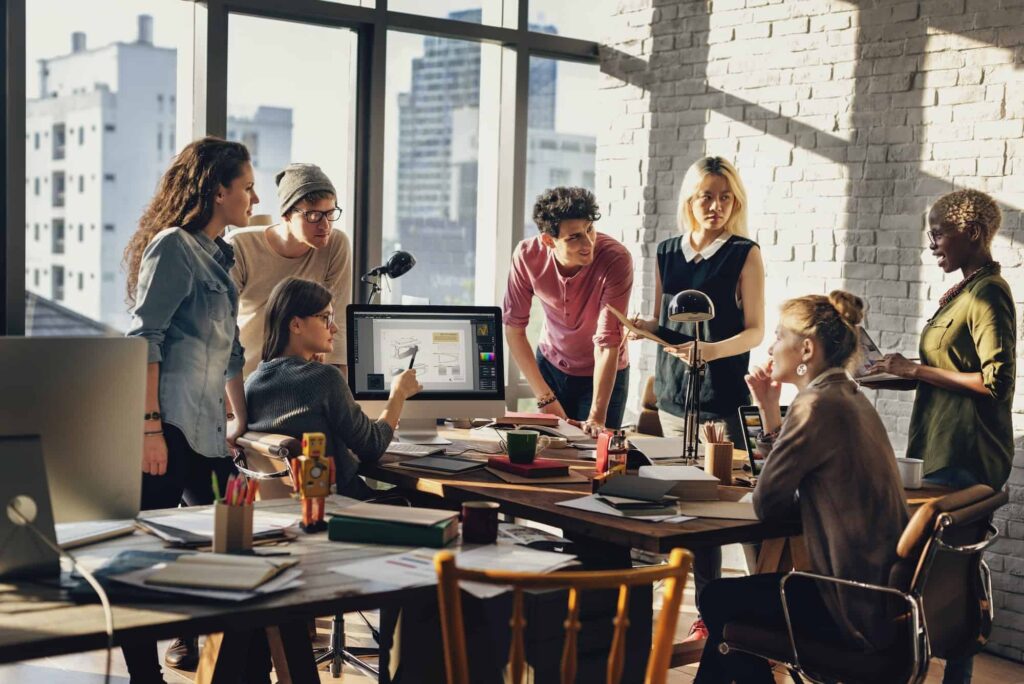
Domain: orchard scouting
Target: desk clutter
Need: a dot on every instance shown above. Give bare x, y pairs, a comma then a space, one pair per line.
395, 525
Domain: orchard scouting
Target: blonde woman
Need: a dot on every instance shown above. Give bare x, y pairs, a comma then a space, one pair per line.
713, 255
851, 498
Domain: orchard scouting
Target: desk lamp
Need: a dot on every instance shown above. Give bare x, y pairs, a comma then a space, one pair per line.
692, 306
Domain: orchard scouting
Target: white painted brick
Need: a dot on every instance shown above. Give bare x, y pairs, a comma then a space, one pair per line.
999, 129
784, 28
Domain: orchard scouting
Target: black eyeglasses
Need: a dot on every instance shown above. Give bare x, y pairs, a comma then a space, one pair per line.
314, 216
934, 235
327, 318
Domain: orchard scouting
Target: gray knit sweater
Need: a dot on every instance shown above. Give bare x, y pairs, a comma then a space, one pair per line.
291, 396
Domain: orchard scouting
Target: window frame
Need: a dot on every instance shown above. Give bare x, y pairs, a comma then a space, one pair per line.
209, 117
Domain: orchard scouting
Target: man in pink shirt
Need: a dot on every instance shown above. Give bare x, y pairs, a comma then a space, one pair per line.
581, 367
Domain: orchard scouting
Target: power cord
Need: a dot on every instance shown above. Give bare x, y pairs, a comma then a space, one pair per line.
14, 509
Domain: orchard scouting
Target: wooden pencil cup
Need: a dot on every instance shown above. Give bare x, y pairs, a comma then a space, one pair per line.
232, 528
718, 461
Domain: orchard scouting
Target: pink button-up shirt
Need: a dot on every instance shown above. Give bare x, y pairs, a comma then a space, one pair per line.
575, 318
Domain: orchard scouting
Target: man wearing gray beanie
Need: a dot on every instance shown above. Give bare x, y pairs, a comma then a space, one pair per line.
304, 244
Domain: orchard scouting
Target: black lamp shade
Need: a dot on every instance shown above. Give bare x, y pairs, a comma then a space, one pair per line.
691, 306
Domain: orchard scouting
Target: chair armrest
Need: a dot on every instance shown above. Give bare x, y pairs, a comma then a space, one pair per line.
915, 610
968, 549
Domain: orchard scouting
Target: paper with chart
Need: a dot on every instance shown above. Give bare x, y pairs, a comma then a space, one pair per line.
440, 355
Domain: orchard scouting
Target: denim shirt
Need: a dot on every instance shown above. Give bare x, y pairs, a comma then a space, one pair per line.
186, 306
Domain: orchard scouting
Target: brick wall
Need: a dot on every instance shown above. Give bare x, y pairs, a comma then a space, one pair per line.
846, 119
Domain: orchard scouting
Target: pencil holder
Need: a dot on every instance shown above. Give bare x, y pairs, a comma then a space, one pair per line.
232, 528
718, 461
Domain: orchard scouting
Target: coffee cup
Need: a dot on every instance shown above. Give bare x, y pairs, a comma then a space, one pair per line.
911, 472
523, 445
480, 522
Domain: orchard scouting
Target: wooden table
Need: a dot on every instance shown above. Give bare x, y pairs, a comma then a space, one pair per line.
38, 621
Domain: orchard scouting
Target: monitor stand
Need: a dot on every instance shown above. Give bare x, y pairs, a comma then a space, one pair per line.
420, 431
25, 490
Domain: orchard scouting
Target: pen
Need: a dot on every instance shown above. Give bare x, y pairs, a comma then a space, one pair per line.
415, 350
230, 491
254, 491
216, 487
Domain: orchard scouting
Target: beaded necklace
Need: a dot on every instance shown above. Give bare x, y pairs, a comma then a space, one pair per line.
952, 292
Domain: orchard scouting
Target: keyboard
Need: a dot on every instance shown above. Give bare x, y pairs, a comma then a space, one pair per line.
408, 449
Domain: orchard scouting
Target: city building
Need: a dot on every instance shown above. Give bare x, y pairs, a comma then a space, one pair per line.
98, 136
438, 153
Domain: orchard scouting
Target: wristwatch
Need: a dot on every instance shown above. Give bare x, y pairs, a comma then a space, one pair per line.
155, 415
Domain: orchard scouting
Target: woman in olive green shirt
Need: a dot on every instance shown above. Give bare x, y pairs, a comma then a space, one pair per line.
961, 423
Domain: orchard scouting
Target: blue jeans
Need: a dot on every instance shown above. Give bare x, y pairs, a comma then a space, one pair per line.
576, 392
958, 671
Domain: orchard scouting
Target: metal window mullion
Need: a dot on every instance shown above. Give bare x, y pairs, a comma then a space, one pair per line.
210, 70
12, 260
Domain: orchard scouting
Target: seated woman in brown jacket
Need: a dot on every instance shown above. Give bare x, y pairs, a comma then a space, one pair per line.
833, 449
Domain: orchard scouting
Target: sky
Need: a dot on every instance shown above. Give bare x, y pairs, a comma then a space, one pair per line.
307, 68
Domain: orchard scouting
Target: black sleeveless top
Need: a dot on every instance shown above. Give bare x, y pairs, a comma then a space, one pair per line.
723, 389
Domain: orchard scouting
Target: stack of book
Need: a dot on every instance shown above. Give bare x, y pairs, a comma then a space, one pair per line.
394, 525
637, 497
690, 483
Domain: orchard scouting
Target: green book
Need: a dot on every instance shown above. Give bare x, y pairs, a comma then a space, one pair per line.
353, 529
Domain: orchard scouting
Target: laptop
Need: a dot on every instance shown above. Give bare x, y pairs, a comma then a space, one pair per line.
870, 353
750, 419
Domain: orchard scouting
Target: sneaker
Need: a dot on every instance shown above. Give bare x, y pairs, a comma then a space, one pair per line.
183, 654
698, 632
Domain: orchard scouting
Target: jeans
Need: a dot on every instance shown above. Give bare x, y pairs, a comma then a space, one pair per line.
707, 562
756, 599
958, 670
576, 392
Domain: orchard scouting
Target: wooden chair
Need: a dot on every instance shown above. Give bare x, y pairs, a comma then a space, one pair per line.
941, 597
450, 602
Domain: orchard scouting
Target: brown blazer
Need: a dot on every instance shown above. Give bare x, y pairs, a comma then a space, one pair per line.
833, 461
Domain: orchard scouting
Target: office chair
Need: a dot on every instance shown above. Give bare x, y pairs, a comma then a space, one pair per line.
940, 582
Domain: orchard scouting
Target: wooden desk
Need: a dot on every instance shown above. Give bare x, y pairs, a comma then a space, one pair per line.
38, 621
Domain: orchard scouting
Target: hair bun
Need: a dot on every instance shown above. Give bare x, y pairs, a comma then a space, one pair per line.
849, 306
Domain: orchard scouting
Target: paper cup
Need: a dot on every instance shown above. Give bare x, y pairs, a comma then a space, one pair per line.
911, 472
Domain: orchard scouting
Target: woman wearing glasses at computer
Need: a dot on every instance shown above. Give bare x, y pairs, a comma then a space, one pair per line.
185, 305
850, 497
961, 424
713, 255
290, 393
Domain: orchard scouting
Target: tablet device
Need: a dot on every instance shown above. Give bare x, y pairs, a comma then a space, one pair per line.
750, 419
869, 353
442, 464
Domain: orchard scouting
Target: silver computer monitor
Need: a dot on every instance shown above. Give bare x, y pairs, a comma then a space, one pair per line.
85, 398
457, 353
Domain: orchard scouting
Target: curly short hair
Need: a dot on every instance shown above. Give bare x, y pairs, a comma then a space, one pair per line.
558, 204
965, 208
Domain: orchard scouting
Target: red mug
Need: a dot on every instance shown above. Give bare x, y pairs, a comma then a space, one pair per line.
480, 522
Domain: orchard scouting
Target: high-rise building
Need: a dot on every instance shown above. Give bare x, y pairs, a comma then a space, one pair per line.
267, 133
438, 160
98, 137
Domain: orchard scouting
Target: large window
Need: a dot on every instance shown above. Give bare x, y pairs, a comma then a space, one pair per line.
293, 105
587, 19
432, 155
103, 78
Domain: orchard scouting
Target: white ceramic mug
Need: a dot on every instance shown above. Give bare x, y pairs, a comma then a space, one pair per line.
911, 471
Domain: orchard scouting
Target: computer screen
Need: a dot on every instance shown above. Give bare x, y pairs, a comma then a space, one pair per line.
456, 350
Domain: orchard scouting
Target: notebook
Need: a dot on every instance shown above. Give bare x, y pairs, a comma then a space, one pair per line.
219, 571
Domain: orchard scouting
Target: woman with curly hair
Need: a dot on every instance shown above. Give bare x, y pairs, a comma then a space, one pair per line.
185, 305
713, 255
581, 367
961, 424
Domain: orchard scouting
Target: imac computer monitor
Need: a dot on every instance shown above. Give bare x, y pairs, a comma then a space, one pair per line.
85, 398
457, 354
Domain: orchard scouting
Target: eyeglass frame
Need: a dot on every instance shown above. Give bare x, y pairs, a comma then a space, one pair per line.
327, 318
306, 212
934, 235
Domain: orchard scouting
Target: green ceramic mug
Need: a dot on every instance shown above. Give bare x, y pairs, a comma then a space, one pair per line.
522, 445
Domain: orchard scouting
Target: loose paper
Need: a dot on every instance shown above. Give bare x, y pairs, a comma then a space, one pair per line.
628, 324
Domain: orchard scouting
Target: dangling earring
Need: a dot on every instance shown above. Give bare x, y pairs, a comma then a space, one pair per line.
801, 370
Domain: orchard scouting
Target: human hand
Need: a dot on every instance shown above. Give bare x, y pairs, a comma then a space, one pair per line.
235, 429
895, 364
154, 454
707, 351
765, 391
405, 385
645, 324
592, 426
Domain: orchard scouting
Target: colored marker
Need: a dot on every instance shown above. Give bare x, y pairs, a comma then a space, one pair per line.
216, 487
